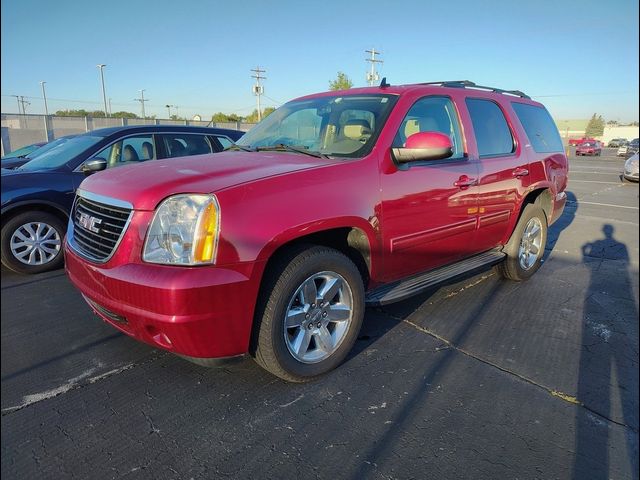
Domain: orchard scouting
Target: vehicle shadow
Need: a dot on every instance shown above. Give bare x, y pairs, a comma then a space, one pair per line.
608, 372
375, 326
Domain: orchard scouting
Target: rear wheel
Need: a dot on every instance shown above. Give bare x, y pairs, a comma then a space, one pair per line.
310, 313
32, 242
525, 248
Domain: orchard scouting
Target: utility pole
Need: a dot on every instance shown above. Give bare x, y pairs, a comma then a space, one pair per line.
257, 88
18, 100
44, 97
104, 95
142, 100
169, 109
24, 102
372, 76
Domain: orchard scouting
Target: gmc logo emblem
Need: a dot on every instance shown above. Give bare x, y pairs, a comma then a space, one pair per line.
88, 222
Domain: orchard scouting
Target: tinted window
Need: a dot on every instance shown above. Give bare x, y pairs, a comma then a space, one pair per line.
541, 130
224, 141
492, 131
431, 114
184, 145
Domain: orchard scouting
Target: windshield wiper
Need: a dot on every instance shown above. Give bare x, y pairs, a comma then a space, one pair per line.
289, 148
239, 147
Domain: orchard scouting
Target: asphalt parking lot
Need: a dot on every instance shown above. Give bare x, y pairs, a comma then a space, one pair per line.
482, 378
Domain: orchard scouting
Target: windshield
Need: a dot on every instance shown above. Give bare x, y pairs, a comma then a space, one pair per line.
343, 126
22, 152
61, 153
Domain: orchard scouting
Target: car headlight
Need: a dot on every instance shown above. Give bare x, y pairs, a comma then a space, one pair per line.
184, 231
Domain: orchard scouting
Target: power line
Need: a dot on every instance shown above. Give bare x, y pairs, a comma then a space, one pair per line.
257, 88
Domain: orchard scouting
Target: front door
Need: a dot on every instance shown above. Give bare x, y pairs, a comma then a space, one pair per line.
429, 209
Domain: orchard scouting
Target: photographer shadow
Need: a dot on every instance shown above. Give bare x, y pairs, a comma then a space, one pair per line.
608, 371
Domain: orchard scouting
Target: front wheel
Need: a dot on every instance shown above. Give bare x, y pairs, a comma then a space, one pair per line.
525, 248
309, 315
32, 242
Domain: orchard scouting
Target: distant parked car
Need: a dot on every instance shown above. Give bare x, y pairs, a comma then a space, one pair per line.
617, 142
574, 142
629, 149
12, 163
592, 147
631, 168
22, 152
37, 196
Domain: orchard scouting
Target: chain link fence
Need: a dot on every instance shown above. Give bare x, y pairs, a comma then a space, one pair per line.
20, 130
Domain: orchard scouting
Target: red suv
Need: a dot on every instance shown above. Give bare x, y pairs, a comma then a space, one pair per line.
333, 202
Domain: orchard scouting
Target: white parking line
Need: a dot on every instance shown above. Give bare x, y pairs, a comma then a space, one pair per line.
581, 202
595, 181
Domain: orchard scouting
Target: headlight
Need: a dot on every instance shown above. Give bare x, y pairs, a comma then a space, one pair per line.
184, 231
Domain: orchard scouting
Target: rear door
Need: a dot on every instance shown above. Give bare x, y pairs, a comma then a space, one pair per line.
428, 208
504, 170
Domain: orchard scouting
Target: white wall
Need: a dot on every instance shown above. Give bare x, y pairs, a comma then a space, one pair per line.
619, 132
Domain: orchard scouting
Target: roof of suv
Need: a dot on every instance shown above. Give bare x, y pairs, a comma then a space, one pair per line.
436, 87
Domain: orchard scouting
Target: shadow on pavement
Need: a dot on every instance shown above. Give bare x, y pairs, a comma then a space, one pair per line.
607, 373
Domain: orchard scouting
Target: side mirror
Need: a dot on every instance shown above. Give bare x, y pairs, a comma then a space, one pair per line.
93, 165
424, 146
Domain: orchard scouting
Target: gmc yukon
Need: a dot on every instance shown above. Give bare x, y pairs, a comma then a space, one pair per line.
335, 201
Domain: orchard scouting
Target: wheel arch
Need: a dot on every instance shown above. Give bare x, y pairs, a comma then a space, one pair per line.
43, 206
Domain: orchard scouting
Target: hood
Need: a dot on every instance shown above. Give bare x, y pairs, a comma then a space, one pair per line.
146, 184
20, 185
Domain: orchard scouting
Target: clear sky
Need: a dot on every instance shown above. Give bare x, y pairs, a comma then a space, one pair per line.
577, 57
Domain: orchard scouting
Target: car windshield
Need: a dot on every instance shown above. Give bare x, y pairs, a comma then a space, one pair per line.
61, 153
343, 126
22, 152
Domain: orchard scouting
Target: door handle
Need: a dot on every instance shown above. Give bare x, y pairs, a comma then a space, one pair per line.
520, 172
465, 182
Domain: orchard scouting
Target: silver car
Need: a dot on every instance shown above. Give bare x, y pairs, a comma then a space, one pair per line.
631, 168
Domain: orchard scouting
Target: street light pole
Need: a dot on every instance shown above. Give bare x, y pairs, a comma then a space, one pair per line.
104, 95
169, 110
44, 97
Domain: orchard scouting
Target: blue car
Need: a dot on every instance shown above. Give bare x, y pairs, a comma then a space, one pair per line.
37, 196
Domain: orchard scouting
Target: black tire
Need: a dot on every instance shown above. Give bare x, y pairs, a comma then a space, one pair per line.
10, 261
511, 268
285, 276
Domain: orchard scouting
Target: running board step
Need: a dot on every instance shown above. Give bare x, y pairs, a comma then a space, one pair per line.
396, 291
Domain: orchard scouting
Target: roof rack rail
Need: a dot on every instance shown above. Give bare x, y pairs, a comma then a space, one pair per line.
470, 84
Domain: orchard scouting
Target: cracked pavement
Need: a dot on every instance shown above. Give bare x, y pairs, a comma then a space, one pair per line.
480, 378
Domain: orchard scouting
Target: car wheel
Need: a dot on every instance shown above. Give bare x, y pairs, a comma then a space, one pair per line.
32, 242
309, 313
525, 248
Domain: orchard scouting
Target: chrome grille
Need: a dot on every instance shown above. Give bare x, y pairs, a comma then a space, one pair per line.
97, 227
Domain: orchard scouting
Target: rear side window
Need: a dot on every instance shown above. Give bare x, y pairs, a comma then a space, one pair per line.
185, 145
493, 134
541, 130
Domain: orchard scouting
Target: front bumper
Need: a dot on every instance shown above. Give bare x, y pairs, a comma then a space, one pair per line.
197, 312
633, 176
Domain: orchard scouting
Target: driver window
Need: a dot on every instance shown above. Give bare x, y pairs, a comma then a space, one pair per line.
431, 114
